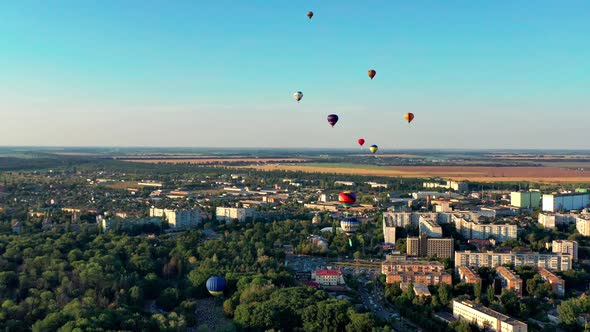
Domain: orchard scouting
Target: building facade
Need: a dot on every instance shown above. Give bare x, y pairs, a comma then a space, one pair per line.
178, 218
389, 234
486, 318
475, 230
229, 213
468, 275
557, 262
583, 225
509, 280
526, 199
565, 202
429, 226
328, 277
429, 273
430, 247
557, 284
565, 247
550, 220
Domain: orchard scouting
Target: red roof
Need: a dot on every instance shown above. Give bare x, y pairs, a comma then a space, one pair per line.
330, 273
313, 284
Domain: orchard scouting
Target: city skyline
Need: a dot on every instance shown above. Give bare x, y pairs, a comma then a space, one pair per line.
220, 74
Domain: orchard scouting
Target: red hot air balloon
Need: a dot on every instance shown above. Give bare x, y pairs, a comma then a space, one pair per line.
310, 15
332, 119
361, 141
347, 198
372, 73
409, 117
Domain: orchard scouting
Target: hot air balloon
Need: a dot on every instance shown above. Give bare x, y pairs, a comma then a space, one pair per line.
373, 148
298, 95
372, 73
349, 225
216, 285
347, 199
361, 141
409, 117
310, 15
332, 119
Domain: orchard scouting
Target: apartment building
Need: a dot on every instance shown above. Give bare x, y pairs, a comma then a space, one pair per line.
565, 247
583, 224
229, 213
178, 218
429, 273
558, 262
476, 230
389, 234
551, 220
556, 282
328, 277
486, 318
509, 280
429, 226
468, 275
427, 247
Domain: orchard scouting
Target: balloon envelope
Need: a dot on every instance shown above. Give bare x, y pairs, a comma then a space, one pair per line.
372, 73
361, 141
332, 119
216, 285
374, 148
310, 15
349, 225
347, 198
298, 95
409, 117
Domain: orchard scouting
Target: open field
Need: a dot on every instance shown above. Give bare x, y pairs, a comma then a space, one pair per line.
214, 160
470, 173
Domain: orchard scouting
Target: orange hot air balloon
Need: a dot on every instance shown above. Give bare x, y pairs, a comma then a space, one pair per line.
372, 73
409, 117
310, 15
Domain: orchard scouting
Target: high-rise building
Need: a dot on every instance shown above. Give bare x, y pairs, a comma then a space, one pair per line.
550, 220
178, 218
474, 230
525, 199
565, 247
565, 202
558, 262
389, 234
413, 246
509, 279
229, 213
429, 227
583, 224
423, 246
486, 317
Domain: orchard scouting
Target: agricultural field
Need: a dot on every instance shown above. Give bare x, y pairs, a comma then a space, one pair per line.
470, 173
173, 160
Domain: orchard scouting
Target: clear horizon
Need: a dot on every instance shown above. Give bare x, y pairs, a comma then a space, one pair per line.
486, 76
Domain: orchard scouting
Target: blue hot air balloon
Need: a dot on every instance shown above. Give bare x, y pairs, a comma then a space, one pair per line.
216, 285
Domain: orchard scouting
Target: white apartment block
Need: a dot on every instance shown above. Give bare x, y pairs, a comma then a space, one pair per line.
583, 225
429, 227
486, 318
565, 247
229, 213
475, 230
550, 220
389, 234
178, 218
558, 261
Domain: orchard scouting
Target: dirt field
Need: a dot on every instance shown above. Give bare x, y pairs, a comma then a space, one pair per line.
471, 173
214, 160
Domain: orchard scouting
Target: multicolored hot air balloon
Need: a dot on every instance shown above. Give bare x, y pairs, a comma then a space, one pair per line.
216, 285
298, 95
372, 73
373, 148
349, 225
361, 141
332, 119
347, 199
409, 117
310, 15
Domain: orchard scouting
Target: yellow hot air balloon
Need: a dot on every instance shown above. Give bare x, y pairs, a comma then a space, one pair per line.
374, 148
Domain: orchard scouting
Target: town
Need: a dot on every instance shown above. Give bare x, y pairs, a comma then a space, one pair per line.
428, 254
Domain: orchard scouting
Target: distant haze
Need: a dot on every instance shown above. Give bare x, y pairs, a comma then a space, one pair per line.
499, 74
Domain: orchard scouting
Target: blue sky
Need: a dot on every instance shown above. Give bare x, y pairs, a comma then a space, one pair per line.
477, 74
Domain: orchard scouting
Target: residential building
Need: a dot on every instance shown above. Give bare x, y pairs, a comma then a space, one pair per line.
526, 199
228, 214
178, 218
430, 273
389, 234
550, 220
468, 275
486, 318
476, 230
557, 284
583, 224
427, 247
509, 279
111, 223
454, 185
565, 247
565, 202
328, 277
344, 183
332, 207
429, 227
420, 289
559, 262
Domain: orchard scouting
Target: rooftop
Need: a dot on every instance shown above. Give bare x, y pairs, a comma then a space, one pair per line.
491, 313
329, 273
